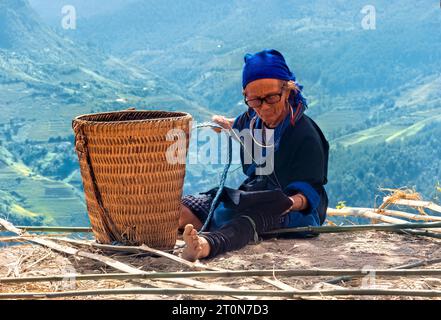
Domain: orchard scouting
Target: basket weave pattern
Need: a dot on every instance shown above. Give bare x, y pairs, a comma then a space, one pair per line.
132, 193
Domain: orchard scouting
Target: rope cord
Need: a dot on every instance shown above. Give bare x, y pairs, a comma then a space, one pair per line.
226, 168
230, 132
245, 149
215, 201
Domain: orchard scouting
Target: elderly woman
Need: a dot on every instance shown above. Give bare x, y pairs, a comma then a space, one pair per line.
292, 194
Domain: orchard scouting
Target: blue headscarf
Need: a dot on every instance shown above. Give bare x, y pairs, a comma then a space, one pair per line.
270, 63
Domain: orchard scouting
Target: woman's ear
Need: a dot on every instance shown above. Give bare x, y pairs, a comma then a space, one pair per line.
291, 85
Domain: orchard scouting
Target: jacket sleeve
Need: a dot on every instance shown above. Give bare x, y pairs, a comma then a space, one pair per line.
307, 173
308, 191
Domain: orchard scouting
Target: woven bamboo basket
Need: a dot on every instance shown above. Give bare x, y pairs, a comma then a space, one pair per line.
132, 191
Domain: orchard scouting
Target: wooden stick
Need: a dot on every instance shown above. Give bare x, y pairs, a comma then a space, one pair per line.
415, 203
424, 233
37, 262
230, 274
131, 249
13, 239
146, 249
419, 263
102, 259
409, 216
278, 284
230, 292
141, 249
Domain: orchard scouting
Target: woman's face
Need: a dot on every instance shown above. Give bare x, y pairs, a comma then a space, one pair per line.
271, 114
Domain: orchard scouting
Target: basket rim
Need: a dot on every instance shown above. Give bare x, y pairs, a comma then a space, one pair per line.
180, 115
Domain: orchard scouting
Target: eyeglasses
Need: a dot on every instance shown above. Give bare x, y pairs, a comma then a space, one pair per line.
269, 99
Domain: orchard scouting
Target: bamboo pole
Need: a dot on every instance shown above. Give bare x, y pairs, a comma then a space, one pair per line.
52, 229
356, 228
55, 229
401, 267
419, 264
368, 213
132, 249
410, 216
23, 238
142, 249
406, 215
228, 274
100, 258
424, 233
230, 292
348, 211
13, 239
415, 203
145, 249
123, 267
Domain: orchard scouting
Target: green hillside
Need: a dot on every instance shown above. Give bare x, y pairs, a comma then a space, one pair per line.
45, 81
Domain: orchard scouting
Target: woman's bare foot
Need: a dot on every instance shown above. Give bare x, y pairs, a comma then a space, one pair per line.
196, 247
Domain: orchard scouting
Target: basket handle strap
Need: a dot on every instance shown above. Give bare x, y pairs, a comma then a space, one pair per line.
82, 150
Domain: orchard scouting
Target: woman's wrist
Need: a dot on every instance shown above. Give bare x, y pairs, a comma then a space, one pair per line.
293, 204
299, 202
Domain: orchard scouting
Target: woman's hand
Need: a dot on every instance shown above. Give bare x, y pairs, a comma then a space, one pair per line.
226, 123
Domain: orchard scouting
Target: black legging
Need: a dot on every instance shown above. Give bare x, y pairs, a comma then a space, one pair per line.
238, 232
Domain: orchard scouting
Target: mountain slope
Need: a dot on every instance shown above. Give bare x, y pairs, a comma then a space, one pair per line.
367, 89
45, 81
